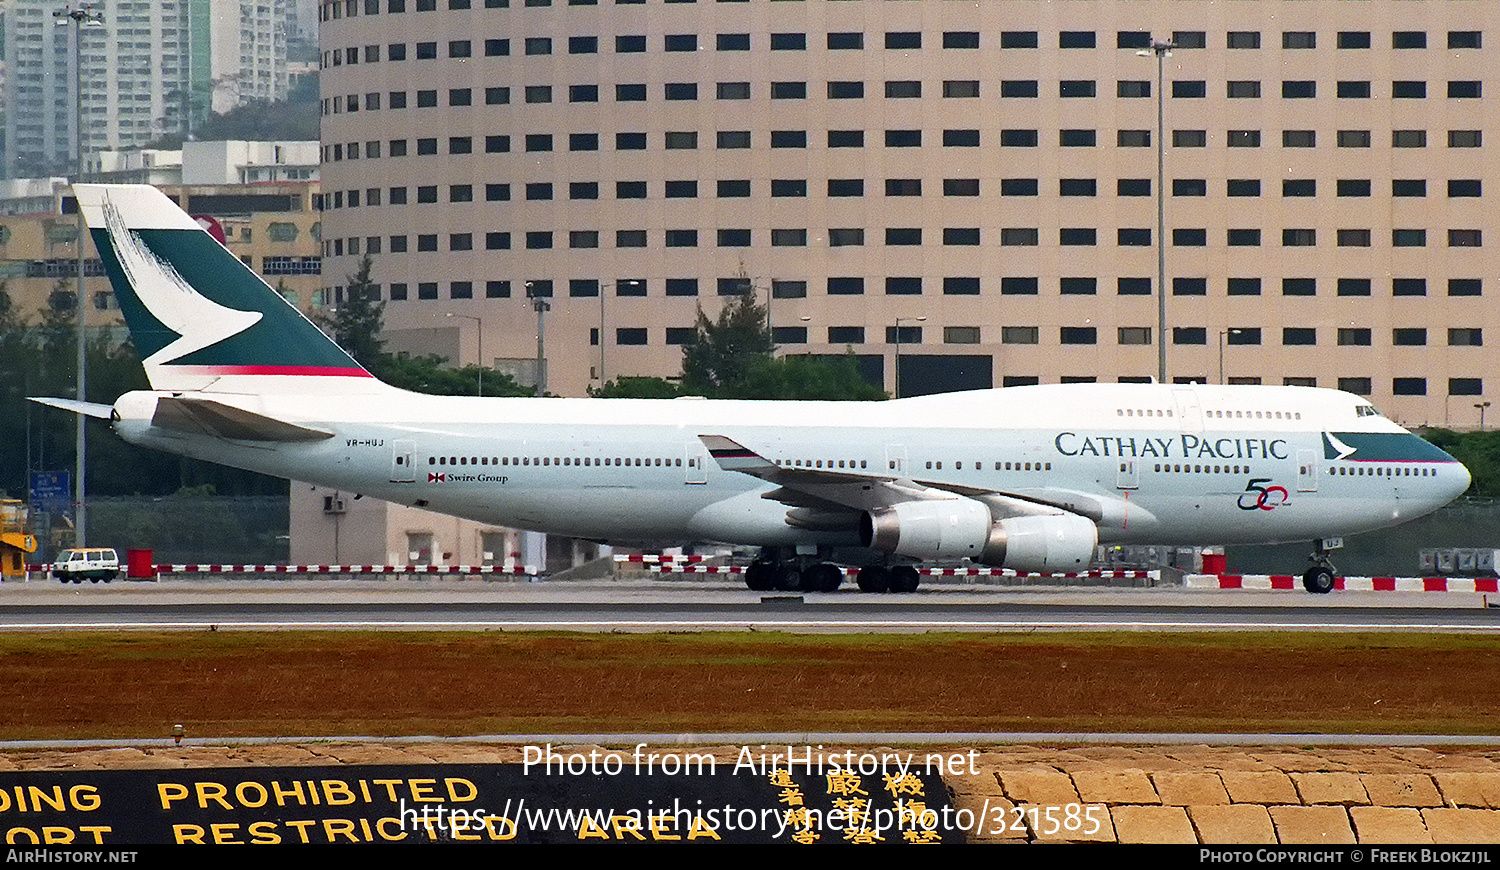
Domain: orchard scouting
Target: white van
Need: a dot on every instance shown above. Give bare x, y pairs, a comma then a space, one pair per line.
95, 563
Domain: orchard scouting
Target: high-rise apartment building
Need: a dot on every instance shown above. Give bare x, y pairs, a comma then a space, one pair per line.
153, 68
968, 188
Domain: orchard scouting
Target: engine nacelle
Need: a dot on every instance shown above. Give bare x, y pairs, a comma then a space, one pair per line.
953, 528
964, 528
1044, 544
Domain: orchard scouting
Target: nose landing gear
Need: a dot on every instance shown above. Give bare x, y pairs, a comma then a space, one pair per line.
1320, 579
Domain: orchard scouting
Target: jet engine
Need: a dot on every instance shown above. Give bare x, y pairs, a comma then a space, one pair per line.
964, 528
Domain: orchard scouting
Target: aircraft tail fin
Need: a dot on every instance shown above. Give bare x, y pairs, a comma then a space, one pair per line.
200, 318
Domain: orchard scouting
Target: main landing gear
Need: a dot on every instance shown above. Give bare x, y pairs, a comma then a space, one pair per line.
769, 573
1319, 578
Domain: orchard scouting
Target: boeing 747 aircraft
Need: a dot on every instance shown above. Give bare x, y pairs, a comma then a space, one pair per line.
1030, 478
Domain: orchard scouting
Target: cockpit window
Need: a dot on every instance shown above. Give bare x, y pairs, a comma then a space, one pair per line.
1365, 411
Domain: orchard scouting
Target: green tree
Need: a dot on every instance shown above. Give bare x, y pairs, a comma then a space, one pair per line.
636, 388
719, 360
357, 322
430, 374
1479, 451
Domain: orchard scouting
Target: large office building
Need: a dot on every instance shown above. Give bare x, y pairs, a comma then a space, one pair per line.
967, 190
151, 68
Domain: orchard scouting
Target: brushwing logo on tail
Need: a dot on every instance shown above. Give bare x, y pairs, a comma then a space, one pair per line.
198, 321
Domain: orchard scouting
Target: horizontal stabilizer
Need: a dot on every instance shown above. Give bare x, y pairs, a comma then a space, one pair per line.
207, 417
88, 409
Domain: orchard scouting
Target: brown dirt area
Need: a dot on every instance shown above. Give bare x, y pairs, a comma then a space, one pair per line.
234, 684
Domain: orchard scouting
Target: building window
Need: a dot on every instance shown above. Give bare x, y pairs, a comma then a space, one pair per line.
903, 236
1243, 139
841, 237
1018, 286
1189, 238
789, 238
1465, 286
1189, 138
846, 286
1409, 337
1409, 238
1408, 138
960, 286
1244, 287
1135, 335
681, 238
1133, 286
1465, 387
1019, 335
1298, 335
1354, 238
682, 286
1019, 236
1409, 386
1353, 187
1189, 335
1189, 286
1466, 337
789, 289
1241, 90
1352, 336
1353, 287
1085, 286
1078, 335
1465, 238
1077, 88
903, 286
1299, 238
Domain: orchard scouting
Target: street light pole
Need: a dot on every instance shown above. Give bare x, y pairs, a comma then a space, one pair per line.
1223, 335
1161, 50
79, 17
480, 334
896, 374
542, 307
1481, 406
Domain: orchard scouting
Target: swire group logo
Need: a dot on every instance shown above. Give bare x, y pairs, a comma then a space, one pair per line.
436, 477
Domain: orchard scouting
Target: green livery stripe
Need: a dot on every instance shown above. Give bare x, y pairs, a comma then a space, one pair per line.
282, 338
1381, 447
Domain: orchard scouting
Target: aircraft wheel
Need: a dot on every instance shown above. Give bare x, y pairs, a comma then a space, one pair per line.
761, 576
904, 578
789, 578
873, 578
824, 577
1318, 580
94, 579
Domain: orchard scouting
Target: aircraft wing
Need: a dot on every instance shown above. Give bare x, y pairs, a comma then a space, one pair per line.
823, 492
88, 409
207, 417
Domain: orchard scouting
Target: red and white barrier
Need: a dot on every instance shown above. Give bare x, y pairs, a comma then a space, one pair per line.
1349, 584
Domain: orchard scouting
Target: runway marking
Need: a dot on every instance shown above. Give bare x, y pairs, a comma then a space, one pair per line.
750, 624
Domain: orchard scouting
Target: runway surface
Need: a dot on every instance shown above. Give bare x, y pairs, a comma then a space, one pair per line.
680, 605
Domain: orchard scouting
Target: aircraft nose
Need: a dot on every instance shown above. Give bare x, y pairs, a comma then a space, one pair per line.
1458, 479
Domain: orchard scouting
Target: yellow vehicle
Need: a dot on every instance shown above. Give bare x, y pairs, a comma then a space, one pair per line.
15, 543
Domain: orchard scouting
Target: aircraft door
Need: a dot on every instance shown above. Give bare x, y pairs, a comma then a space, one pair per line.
1307, 471
402, 469
895, 458
1189, 419
695, 464
1129, 476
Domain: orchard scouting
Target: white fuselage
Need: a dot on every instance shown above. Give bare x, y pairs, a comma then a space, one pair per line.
1147, 463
